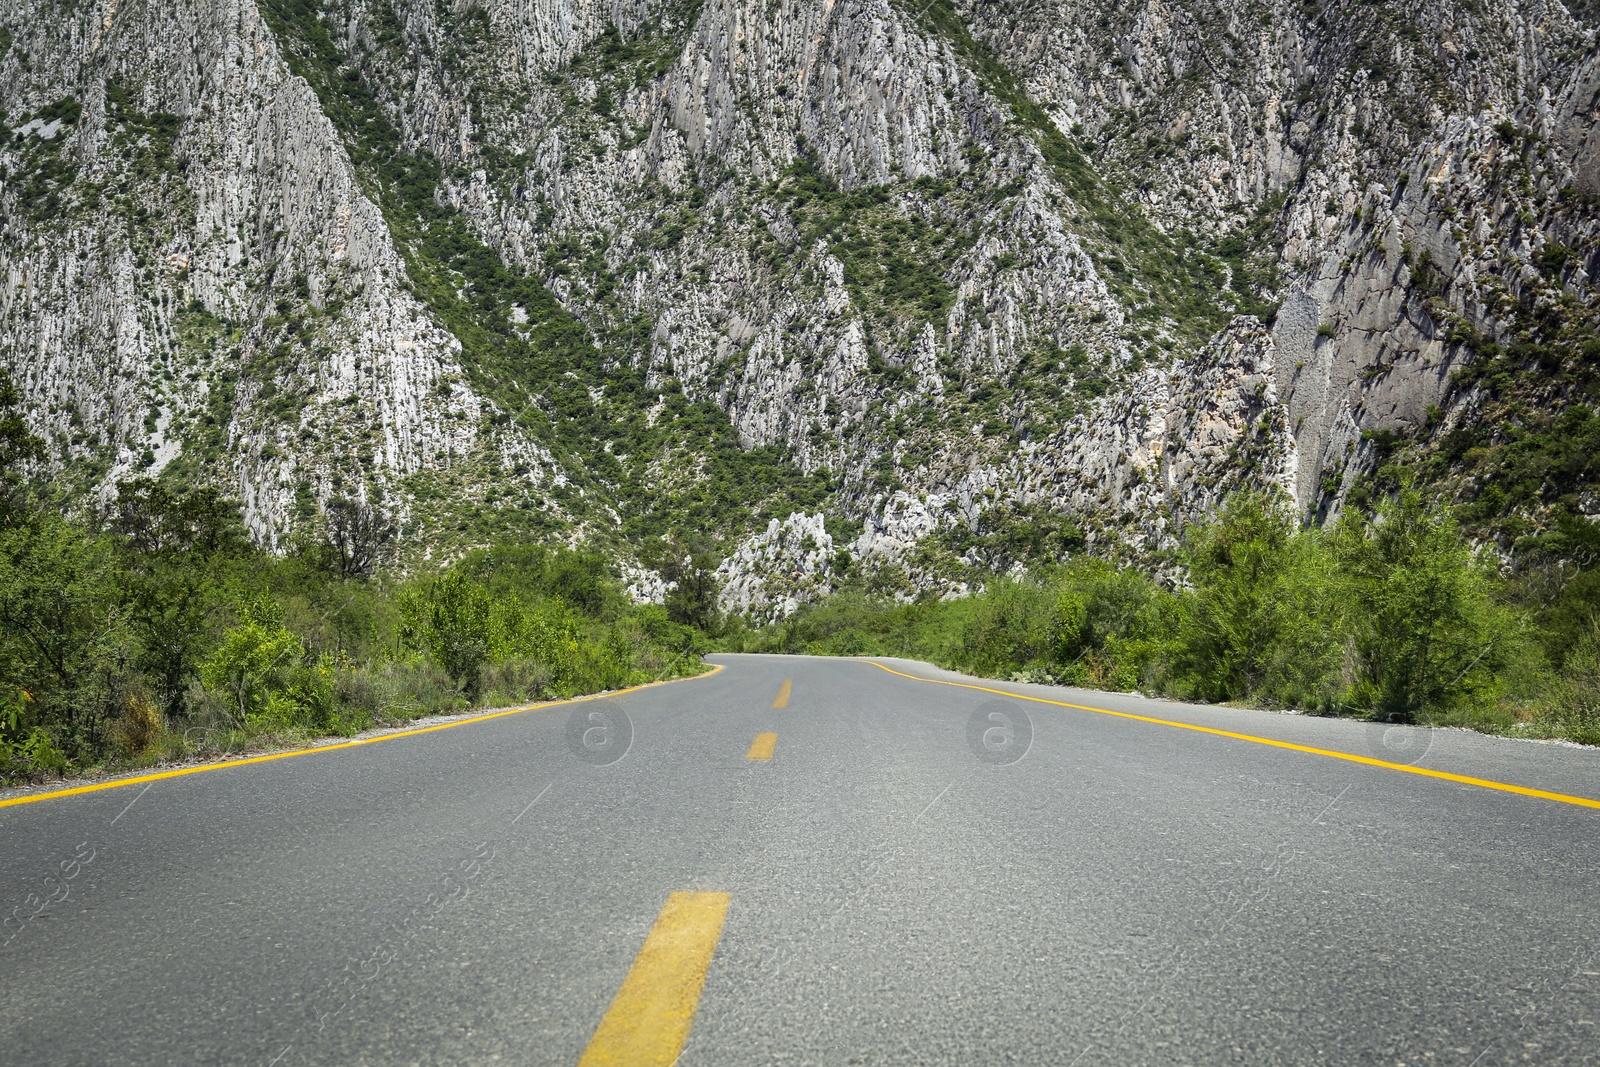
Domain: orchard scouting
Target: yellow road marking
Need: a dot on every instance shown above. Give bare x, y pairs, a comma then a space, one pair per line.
782, 699
761, 747
1484, 783
181, 771
648, 1021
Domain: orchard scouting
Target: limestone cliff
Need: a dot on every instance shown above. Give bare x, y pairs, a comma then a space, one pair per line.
596, 271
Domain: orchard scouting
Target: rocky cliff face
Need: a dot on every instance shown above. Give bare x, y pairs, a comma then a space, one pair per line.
194, 276
596, 270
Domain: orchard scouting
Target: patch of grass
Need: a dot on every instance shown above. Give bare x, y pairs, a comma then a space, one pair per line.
896, 262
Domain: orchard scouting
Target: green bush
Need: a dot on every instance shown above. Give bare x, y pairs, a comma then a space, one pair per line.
1570, 704
162, 633
1425, 627
1012, 627
452, 620
1114, 624
263, 674
1261, 620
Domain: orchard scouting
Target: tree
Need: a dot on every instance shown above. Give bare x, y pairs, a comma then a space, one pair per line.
1261, 620
1237, 565
253, 664
63, 638
174, 544
156, 520
1428, 634
689, 561
358, 533
18, 448
452, 620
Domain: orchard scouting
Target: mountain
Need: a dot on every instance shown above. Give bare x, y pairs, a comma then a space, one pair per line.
847, 283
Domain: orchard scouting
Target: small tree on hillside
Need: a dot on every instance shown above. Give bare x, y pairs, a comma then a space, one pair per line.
690, 561
359, 534
18, 448
452, 620
154, 520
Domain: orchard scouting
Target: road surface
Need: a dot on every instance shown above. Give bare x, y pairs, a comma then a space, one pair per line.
812, 861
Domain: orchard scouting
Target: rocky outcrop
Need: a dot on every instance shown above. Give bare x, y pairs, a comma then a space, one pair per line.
205, 281
769, 575
1454, 248
1110, 263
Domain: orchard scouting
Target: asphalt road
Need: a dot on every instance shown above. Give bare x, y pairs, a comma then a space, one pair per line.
900, 888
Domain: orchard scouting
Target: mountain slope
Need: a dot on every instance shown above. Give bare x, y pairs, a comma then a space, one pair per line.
603, 271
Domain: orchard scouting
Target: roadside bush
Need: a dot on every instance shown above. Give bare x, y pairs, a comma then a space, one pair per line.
254, 666
514, 681
1393, 615
1012, 627
1424, 624
139, 727
450, 619
26, 749
394, 692
1566, 703
1261, 619
1113, 625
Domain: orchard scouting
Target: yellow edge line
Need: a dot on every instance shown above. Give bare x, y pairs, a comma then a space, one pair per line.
648, 1022
1483, 783
180, 772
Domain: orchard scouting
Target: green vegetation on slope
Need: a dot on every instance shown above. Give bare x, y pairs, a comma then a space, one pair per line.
1519, 454
155, 630
660, 459
895, 262
1156, 275
1392, 616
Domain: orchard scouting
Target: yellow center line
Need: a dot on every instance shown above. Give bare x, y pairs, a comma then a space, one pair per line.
1482, 783
761, 748
782, 699
649, 1019
118, 783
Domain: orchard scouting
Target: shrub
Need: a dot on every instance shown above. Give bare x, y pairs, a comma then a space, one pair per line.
395, 692
1571, 705
1260, 620
1013, 626
1111, 624
1425, 628
140, 725
451, 620
253, 667
514, 681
